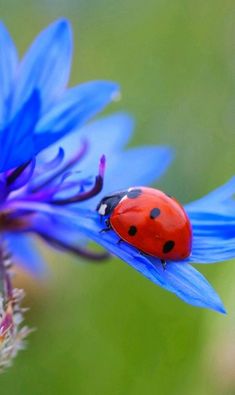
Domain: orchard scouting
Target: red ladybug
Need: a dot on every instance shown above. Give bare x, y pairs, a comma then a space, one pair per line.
148, 219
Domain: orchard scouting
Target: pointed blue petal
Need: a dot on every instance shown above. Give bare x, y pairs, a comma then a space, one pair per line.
180, 278
25, 252
76, 107
8, 64
17, 139
189, 285
46, 66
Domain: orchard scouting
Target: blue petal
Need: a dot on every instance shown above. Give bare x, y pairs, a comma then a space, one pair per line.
213, 224
212, 249
213, 237
220, 200
46, 66
25, 252
76, 107
8, 64
189, 285
180, 278
17, 140
135, 167
104, 136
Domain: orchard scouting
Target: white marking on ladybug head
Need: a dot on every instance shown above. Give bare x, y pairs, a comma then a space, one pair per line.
102, 209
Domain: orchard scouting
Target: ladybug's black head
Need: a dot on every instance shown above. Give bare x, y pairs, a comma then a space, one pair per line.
108, 203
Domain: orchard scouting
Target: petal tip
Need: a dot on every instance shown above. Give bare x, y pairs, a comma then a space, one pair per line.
62, 23
221, 309
64, 28
217, 305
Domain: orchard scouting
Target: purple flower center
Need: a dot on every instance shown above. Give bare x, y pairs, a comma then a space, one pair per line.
50, 183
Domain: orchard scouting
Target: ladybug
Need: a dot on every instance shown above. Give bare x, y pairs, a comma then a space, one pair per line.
148, 219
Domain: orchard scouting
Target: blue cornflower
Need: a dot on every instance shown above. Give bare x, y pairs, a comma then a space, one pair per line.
212, 217
38, 177
38, 196
51, 189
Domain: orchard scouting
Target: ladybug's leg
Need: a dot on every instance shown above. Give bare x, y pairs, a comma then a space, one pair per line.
108, 226
105, 230
163, 262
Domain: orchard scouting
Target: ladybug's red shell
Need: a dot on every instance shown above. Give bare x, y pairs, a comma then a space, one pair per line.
154, 223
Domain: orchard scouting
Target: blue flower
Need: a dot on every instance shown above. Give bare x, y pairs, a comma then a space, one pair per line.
64, 213
36, 107
41, 178
51, 190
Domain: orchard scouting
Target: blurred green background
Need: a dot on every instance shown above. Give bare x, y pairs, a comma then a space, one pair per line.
104, 329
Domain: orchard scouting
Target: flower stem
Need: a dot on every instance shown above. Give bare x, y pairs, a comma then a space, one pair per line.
12, 333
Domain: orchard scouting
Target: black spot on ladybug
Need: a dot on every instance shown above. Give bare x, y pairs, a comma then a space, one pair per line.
154, 213
134, 193
168, 246
132, 230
